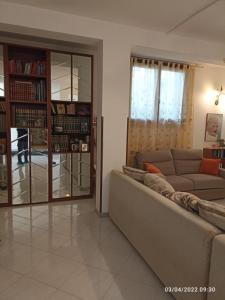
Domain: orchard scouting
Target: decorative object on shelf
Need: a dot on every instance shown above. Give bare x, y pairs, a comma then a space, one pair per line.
213, 127
221, 143
220, 93
84, 147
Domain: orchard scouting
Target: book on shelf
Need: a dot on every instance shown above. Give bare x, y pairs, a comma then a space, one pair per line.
2, 122
69, 124
28, 90
2, 107
61, 109
27, 116
36, 67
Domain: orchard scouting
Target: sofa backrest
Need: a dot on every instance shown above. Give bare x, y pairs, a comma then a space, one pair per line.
162, 159
187, 161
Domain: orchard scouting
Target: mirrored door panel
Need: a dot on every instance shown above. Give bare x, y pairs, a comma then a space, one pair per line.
39, 165
81, 174
20, 168
82, 77
61, 76
61, 175
3, 179
2, 92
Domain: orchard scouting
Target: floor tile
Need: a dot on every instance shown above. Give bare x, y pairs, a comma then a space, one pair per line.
27, 289
54, 270
136, 269
90, 284
20, 258
62, 296
123, 289
7, 278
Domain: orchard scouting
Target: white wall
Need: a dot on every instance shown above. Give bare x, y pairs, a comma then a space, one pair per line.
207, 80
118, 42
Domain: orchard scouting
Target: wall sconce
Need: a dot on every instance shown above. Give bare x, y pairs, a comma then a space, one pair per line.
220, 93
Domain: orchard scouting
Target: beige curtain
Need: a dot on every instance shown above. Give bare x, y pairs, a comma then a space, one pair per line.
146, 135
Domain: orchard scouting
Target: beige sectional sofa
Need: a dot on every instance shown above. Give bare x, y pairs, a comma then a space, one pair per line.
181, 168
183, 249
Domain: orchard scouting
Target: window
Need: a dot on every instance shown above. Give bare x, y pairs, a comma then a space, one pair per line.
157, 93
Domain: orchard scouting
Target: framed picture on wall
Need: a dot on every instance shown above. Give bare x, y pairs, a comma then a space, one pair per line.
213, 127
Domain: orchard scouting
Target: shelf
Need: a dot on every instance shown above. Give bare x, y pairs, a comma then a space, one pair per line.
22, 75
70, 102
29, 102
71, 115
70, 152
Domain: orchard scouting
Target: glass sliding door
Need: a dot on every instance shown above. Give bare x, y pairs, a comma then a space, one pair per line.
3, 179
20, 167
39, 164
61, 176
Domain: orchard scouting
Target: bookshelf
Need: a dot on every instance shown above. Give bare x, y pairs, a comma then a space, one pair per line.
47, 95
215, 153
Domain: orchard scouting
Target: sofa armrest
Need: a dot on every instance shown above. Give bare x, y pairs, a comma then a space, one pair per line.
222, 173
217, 268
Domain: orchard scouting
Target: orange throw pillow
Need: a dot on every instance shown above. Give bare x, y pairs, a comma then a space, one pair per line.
150, 168
210, 166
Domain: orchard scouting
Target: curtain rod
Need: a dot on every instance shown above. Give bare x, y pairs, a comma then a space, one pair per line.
168, 61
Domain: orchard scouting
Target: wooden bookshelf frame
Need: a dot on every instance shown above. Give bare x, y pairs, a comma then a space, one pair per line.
9, 102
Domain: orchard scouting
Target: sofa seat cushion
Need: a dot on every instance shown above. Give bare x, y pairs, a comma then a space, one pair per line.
179, 183
205, 181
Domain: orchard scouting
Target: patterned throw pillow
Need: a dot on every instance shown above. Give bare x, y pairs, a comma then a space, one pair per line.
136, 174
158, 184
212, 212
186, 200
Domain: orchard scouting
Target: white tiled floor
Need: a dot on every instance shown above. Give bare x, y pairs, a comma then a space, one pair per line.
66, 252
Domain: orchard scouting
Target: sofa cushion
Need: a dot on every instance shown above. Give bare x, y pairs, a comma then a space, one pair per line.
136, 174
162, 159
205, 181
150, 168
213, 213
186, 200
179, 183
158, 184
210, 166
187, 161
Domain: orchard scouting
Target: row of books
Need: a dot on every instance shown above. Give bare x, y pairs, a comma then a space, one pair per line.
36, 67
82, 109
2, 106
218, 153
2, 123
28, 117
28, 90
67, 124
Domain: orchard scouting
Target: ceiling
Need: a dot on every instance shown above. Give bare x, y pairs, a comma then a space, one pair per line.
202, 19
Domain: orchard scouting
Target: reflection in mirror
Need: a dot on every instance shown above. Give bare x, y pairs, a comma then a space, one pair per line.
1, 73
81, 174
82, 78
39, 164
3, 179
20, 165
60, 76
61, 175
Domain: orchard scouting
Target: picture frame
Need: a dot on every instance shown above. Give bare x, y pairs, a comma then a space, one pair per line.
84, 147
213, 127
